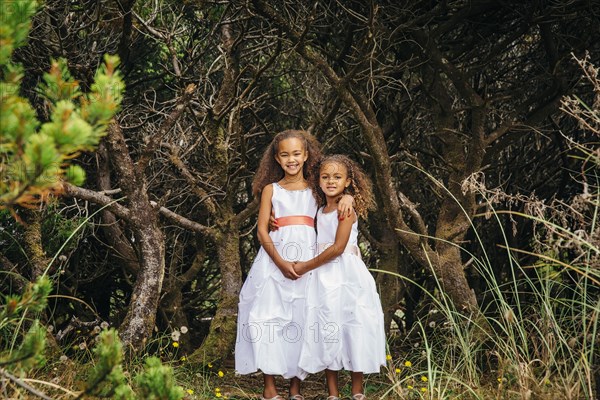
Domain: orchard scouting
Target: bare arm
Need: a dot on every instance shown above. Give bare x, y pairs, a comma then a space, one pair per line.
339, 245
264, 213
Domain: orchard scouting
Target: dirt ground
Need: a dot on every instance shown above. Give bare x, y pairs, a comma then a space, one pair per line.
238, 387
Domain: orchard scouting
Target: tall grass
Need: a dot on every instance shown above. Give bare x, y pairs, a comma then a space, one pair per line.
543, 341
537, 335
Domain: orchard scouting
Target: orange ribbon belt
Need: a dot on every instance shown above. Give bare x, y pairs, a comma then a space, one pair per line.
295, 220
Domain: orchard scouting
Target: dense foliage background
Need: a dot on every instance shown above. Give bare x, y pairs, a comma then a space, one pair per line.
485, 242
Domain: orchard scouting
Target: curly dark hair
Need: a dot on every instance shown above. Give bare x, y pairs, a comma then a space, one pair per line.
270, 171
360, 187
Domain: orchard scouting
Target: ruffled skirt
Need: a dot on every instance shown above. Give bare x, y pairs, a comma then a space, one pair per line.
271, 309
344, 319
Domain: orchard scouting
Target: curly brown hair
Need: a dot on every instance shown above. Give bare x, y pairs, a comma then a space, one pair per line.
360, 187
270, 171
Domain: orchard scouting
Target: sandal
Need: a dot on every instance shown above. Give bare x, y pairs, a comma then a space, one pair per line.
333, 398
278, 397
296, 397
359, 396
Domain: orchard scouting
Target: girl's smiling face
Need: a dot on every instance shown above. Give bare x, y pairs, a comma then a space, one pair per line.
333, 178
291, 155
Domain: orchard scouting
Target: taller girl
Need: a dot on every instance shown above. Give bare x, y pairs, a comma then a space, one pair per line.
272, 301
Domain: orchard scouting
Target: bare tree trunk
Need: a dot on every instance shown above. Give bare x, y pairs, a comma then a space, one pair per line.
143, 221
122, 248
389, 285
452, 226
384, 241
171, 305
33, 243
221, 337
141, 315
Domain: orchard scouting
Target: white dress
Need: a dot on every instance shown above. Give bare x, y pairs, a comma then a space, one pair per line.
344, 318
271, 308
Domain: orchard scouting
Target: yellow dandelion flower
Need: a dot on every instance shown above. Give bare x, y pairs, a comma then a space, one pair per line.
190, 391
423, 390
407, 364
217, 389
183, 358
218, 394
221, 374
398, 370
175, 344
500, 380
209, 365
410, 387
388, 357
424, 378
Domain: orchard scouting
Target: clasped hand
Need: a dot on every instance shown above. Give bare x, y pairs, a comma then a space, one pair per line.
293, 269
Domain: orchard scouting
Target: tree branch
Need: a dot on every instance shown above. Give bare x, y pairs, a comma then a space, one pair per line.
204, 197
439, 61
193, 271
534, 118
23, 385
96, 198
250, 209
165, 127
183, 222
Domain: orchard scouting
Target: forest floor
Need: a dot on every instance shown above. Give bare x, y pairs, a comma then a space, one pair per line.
313, 387
238, 387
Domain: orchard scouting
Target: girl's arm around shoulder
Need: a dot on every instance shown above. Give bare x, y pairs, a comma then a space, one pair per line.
264, 213
345, 206
342, 235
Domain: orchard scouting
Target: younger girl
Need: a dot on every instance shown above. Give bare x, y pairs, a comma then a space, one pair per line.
272, 300
344, 319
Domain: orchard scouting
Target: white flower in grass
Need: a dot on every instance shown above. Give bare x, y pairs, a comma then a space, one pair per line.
175, 335
184, 329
